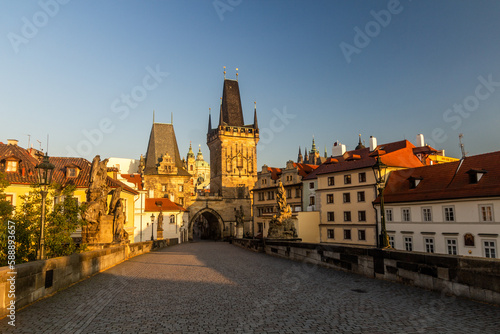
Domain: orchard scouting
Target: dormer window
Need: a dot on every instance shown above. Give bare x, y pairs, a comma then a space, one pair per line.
475, 175
11, 165
72, 170
414, 182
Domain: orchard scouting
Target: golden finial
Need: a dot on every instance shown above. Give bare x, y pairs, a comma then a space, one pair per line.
236, 74
224, 72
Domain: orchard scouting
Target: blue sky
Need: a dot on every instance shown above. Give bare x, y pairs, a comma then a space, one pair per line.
430, 67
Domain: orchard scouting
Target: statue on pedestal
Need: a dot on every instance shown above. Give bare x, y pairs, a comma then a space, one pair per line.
281, 225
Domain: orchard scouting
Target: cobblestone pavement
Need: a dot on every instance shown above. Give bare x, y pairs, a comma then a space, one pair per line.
214, 287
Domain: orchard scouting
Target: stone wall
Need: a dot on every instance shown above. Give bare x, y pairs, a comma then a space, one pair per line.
37, 279
474, 278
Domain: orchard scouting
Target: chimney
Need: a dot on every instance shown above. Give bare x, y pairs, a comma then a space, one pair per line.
373, 143
12, 142
420, 140
338, 149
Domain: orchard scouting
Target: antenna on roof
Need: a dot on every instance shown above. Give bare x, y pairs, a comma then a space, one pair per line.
236, 74
29, 137
462, 147
40, 143
224, 72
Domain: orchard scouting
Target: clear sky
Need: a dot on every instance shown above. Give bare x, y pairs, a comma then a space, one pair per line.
90, 73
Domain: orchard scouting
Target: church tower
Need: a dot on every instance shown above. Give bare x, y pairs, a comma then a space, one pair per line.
233, 147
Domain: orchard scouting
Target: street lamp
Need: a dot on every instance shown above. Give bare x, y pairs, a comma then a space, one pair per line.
44, 171
379, 170
152, 225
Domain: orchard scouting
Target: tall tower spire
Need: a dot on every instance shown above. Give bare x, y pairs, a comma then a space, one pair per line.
209, 119
300, 158
255, 124
360, 144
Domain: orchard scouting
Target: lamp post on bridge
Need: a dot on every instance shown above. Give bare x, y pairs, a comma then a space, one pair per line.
44, 172
379, 170
152, 226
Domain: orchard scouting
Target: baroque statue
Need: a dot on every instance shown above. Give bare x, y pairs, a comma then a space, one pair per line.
281, 225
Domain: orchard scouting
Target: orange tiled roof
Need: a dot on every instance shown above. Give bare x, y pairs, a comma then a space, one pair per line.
135, 179
26, 173
154, 204
444, 181
396, 154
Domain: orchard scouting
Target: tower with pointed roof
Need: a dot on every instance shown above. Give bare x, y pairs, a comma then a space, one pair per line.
300, 158
165, 174
233, 147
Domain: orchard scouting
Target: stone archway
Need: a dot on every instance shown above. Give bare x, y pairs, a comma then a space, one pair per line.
206, 224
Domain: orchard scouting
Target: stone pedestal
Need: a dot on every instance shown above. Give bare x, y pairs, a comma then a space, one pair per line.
239, 232
106, 233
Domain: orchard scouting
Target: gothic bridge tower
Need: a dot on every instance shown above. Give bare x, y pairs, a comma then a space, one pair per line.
233, 147
227, 210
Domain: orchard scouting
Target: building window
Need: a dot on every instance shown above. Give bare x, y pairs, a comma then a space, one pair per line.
330, 216
347, 179
490, 249
329, 198
331, 181
330, 234
361, 196
347, 234
408, 243
388, 215
172, 219
263, 181
347, 216
270, 195
486, 213
10, 199
451, 246
289, 193
311, 200
261, 196
391, 241
11, 166
297, 193
181, 188
181, 200
362, 177
362, 216
71, 172
163, 187
361, 235
260, 228
449, 214
347, 198
426, 214
406, 214
311, 185
429, 245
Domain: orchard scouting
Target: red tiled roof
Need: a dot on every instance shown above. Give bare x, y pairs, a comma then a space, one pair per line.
26, 173
396, 154
305, 169
154, 204
135, 179
443, 181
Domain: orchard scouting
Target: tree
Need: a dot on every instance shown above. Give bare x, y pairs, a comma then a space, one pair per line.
5, 213
62, 219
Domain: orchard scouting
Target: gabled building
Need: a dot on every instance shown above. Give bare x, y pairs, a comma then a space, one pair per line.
264, 193
18, 165
343, 188
164, 173
451, 208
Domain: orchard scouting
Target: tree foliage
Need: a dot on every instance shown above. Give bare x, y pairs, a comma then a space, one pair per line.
61, 220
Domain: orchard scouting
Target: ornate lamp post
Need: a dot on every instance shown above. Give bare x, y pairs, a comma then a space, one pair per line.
379, 170
45, 170
152, 226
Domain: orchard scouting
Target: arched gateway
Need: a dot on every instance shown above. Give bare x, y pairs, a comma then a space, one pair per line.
206, 224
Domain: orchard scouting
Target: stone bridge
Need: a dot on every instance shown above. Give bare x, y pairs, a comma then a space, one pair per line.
215, 287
